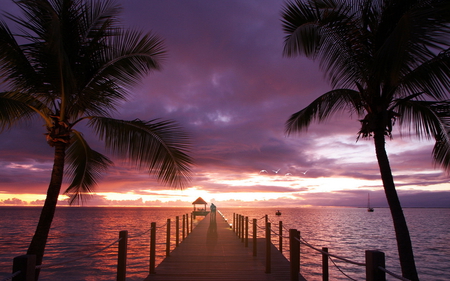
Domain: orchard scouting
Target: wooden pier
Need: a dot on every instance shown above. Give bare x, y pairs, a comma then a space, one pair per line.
213, 252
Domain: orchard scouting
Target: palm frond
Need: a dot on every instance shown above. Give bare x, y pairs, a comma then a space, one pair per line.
441, 149
431, 77
300, 25
17, 106
161, 146
132, 54
329, 31
407, 36
84, 168
429, 120
324, 107
15, 69
418, 117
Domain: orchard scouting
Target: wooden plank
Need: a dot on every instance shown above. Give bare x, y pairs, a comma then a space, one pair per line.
214, 252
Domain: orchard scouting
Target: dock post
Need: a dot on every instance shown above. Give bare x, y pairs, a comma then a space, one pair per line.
238, 226
184, 226
268, 249
325, 274
280, 235
26, 264
234, 222
187, 224
242, 229
177, 233
374, 259
192, 220
246, 232
236, 229
152, 248
255, 234
294, 247
122, 256
168, 238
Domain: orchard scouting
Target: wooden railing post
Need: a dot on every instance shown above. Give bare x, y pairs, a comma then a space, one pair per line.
255, 235
192, 220
26, 264
294, 249
168, 238
188, 221
234, 222
374, 259
268, 249
184, 227
325, 274
187, 224
280, 243
246, 232
242, 229
239, 226
152, 248
177, 233
236, 229
122, 256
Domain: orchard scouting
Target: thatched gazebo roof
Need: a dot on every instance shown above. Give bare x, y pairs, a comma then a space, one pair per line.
199, 201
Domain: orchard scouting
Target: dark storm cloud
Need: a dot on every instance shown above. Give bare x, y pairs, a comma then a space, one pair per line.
226, 82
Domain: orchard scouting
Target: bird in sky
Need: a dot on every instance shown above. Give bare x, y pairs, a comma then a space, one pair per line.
276, 172
288, 174
263, 171
305, 172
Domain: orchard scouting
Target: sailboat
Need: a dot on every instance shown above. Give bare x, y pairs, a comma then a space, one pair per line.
369, 209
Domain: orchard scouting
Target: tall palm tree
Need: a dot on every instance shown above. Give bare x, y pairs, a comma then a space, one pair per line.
387, 60
72, 65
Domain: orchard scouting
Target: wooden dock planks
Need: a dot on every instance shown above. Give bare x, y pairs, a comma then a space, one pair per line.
214, 252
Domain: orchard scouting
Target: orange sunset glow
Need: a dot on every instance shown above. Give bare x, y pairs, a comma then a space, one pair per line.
227, 84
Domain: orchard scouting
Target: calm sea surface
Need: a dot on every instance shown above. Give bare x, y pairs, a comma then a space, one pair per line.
347, 232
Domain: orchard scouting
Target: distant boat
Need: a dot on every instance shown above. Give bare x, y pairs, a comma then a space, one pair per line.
369, 209
278, 213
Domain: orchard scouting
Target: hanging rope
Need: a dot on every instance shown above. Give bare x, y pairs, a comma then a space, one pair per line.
79, 258
140, 234
393, 274
11, 276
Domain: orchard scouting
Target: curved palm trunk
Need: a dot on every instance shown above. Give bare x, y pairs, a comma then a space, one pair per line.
37, 245
401, 229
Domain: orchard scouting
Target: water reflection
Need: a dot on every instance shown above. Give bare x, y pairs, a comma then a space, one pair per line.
347, 232
211, 235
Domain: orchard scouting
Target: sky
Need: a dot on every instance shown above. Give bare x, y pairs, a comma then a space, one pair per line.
226, 82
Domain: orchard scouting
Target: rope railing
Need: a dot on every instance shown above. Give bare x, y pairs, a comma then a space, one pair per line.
304, 242
370, 268
78, 258
393, 274
340, 270
331, 255
10, 277
121, 266
140, 234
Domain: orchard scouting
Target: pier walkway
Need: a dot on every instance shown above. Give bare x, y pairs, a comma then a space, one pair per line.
213, 252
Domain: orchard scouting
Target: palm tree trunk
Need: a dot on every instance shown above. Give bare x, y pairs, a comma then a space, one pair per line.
37, 245
404, 245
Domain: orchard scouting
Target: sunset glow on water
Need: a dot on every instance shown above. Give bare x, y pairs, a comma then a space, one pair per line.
227, 84
347, 232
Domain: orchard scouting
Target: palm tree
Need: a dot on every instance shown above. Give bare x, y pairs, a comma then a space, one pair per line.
72, 65
387, 60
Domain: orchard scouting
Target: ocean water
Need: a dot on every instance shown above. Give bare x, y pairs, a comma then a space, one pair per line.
346, 232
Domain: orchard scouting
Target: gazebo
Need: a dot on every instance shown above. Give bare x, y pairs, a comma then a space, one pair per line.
200, 211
